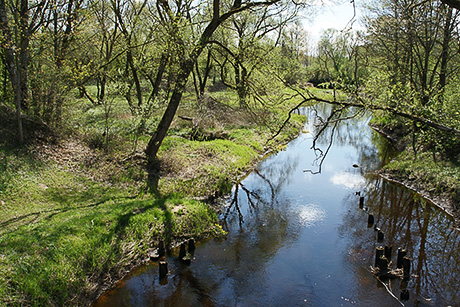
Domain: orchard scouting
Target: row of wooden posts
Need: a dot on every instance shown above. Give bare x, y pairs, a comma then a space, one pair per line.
186, 251
383, 254
383, 259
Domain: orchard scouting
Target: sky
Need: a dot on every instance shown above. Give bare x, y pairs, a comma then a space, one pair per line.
330, 15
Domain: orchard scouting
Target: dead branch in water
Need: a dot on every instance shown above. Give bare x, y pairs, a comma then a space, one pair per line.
375, 273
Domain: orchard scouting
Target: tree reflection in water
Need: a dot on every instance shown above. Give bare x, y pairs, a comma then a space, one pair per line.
253, 198
292, 241
407, 220
413, 223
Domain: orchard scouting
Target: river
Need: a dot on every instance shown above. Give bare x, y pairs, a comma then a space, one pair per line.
297, 237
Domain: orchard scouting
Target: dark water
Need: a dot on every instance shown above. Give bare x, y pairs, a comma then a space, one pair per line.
302, 240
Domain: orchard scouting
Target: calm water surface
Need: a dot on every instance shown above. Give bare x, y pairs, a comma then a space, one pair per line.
299, 239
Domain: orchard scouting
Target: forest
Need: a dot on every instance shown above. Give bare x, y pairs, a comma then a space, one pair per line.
122, 120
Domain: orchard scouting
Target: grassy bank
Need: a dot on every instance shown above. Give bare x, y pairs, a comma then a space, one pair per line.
75, 212
437, 180
431, 173
63, 235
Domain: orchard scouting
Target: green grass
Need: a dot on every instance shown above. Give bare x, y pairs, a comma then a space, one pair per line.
440, 177
56, 248
63, 234
63, 253
204, 168
67, 229
28, 184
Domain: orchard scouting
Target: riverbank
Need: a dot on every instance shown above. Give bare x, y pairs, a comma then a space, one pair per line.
76, 214
437, 180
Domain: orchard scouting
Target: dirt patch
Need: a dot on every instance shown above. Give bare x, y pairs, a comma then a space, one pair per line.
69, 153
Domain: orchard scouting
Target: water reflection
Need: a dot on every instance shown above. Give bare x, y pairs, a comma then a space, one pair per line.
310, 214
299, 239
413, 223
352, 181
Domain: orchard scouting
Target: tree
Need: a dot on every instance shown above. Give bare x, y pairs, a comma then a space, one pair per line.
189, 58
135, 11
411, 53
338, 54
18, 22
293, 55
249, 39
63, 21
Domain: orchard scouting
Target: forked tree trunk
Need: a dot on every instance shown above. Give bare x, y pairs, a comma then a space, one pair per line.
185, 70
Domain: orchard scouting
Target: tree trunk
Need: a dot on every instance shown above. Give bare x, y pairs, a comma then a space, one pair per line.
160, 133
11, 66
207, 70
137, 83
185, 69
161, 69
445, 48
18, 109
242, 86
24, 52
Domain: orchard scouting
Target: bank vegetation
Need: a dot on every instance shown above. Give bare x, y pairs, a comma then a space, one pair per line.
120, 119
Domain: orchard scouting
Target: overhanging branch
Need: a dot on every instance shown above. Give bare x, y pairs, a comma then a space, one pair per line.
369, 106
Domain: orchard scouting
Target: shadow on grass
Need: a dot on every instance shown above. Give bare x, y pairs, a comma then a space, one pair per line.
92, 244
121, 220
56, 211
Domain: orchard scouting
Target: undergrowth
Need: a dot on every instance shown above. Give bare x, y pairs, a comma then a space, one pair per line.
440, 177
76, 215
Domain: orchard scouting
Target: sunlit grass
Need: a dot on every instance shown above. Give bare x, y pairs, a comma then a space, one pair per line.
57, 247
438, 177
66, 230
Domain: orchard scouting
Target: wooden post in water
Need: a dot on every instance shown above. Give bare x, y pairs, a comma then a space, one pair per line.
383, 264
163, 269
380, 236
187, 260
401, 254
404, 295
370, 220
378, 253
161, 249
388, 252
403, 284
406, 267
182, 251
361, 202
191, 246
